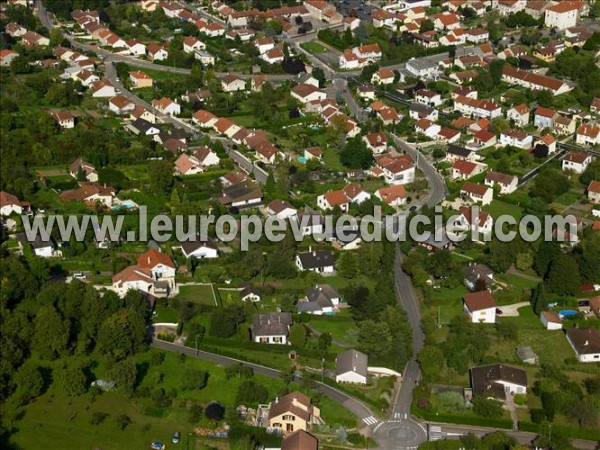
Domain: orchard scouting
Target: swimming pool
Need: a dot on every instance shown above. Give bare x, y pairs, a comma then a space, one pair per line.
125, 204
302, 159
567, 313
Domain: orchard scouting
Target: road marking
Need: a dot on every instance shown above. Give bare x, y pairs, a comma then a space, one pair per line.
396, 415
370, 420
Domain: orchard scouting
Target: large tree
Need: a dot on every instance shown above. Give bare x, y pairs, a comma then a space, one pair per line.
564, 278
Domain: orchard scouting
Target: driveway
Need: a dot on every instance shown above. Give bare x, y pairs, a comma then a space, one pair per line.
512, 310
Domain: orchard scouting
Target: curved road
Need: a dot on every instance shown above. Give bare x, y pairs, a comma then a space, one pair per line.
353, 405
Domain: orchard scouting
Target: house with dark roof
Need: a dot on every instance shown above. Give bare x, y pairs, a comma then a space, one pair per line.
480, 307
200, 248
271, 328
497, 380
249, 293
40, 246
293, 412
322, 299
241, 195
586, 343
320, 261
476, 274
351, 367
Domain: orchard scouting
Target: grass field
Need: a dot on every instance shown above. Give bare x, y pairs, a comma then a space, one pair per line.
54, 421
499, 207
201, 294
313, 47
337, 326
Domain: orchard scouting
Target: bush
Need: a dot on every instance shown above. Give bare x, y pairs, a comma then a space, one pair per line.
521, 399
97, 418
537, 415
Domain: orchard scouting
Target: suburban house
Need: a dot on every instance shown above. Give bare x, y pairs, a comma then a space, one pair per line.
551, 320
351, 193
476, 108
120, 105
160, 265
466, 169
136, 48
516, 138
199, 248
383, 76
310, 223
9, 204
64, 119
586, 343
467, 220
351, 366
562, 15
477, 276
376, 142
191, 44
497, 380
507, 183
232, 83
293, 412
6, 57
133, 277
249, 293
92, 194
428, 97
241, 195
576, 162
588, 134
392, 195
320, 261
40, 246
85, 169
300, 440
157, 52
322, 299
480, 307
564, 125
533, 81
280, 209
483, 139
143, 127
167, 106
544, 117
313, 152
103, 89
546, 142
140, 80
271, 328
305, 93
519, 115
476, 193
395, 170
593, 192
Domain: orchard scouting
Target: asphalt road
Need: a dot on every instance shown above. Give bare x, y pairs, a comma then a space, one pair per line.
437, 185
354, 406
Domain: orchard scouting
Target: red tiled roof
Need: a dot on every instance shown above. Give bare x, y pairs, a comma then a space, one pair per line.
478, 301
152, 258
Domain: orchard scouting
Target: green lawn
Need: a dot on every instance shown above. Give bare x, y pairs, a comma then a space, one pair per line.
201, 294
498, 208
331, 159
313, 47
54, 421
337, 325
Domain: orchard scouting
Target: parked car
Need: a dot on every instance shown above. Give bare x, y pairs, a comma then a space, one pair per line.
157, 445
176, 437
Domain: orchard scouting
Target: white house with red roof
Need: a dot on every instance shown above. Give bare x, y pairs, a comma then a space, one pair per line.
136, 48
588, 134
383, 76
158, 263
392, 195
577, 162
376, 142
191, 44
396, 170
562, 15
273, 56
280, 209
9, 204
464, 170
473, 219
120, 104
167, 106
593, 192
157, 52
233, 83
351, 193
480, 307
506, 183
519, 114
306, 93
103, 89
476, 193
7, 56
516, 138
133, 277
187, 165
